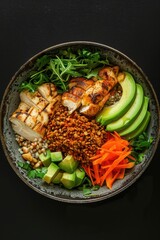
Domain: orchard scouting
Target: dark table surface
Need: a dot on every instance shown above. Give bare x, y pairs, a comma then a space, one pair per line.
27, 27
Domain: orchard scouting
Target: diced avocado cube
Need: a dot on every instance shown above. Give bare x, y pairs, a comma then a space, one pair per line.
52, 171
56, 156
68, 164
57, 178
45, 158
80, 174
68, 180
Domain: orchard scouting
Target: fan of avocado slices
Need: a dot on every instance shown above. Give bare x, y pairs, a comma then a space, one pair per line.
130, 115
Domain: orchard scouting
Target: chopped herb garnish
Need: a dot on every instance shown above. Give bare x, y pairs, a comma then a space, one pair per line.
37, 173
32, 173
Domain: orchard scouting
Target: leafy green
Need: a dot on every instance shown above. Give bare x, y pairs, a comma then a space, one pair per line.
59, 68
87, 188
24, 165
33, 173
140, 144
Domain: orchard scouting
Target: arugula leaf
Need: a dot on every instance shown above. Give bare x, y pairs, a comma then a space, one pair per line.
41, 62
59, 68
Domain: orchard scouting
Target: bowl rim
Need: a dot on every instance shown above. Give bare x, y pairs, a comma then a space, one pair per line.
21, 69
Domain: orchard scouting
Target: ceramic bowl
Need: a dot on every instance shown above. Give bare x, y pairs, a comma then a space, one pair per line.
11, 100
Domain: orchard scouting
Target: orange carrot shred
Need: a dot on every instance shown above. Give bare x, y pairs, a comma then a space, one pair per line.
111, 161
111, 179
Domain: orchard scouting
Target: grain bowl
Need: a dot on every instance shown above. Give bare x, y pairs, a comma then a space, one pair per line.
79, 124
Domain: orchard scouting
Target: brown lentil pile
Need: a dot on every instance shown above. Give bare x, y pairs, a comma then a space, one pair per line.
74, 134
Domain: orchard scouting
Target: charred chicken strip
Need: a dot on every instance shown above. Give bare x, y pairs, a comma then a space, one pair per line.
53, 105
32, 116
81, 83
36, 117
89, 95
94, 98
73, 98
72, 102
48, 91
23, 107
33, 99
77, 91
30, 126
23, 130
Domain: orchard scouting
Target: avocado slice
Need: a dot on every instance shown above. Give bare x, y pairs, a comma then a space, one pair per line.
80, 174
52, 170
56, 156
138, 120
45, 158
141, 128
68, 164
131, 114
57, 178
68, 180
115, 111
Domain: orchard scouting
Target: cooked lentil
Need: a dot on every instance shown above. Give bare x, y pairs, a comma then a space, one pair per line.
74, 134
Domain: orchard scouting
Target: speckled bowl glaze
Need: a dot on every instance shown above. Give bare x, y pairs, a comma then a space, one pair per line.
11, 100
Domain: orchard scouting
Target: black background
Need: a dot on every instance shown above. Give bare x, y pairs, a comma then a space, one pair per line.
27, 27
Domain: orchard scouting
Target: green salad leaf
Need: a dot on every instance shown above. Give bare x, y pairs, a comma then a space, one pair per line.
87, 188
59, 68
140, 144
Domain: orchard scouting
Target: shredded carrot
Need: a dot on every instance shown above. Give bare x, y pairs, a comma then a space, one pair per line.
121, 173
111, 161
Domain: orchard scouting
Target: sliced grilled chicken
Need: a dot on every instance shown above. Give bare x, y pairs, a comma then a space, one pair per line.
72, 102
40, 128
30, 121
23, 130
32, 115
95, 93
21, 112
23, 107
41, 116
48, 91
92, 109
52, 106
89, 110
121, 76
109, 72
33, 99
34, 125
34, 112
72, 99
81, 83
94, 98
77, 91
116, 70
98, 94
22, 116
